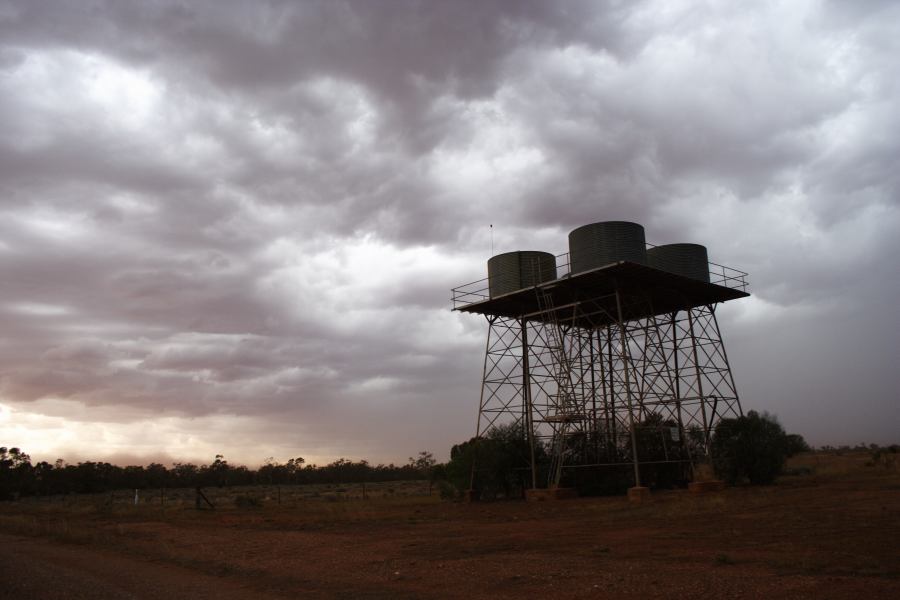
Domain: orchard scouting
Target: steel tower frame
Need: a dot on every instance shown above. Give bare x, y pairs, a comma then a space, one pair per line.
596, 382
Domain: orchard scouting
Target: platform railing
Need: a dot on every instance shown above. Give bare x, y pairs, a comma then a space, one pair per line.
477, 291
727, 277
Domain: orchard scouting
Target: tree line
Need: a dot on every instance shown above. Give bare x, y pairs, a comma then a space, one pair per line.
751, 448
19, 477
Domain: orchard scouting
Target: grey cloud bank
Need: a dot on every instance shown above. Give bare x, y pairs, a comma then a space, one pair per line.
233, 228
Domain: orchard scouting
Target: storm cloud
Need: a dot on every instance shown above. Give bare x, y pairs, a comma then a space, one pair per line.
231, 227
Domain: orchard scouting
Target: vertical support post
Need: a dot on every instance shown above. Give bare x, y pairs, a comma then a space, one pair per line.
624, 355
526, 401
594, 429
677, 378
487, 348
737, 399
643, 377
612, 387
699, 376
677, 383
580, 368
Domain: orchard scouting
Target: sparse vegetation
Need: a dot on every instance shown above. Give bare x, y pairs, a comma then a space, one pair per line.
883, 457
723, 559
246, 501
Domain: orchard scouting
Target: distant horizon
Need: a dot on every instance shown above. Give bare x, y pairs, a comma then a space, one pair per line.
130, 460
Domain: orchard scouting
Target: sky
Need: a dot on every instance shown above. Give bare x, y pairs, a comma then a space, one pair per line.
231, 227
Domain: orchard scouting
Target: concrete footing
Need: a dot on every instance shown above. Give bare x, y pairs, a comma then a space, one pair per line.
540, 495
705, 487
639, 495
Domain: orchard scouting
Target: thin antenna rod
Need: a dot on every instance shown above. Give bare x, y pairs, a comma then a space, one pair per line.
492, 239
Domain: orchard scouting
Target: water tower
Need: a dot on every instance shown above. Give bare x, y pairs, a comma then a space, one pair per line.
609, 358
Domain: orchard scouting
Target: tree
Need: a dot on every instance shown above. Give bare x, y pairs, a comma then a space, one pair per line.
424, 465
796, 444
16, 473
502, 458
752, 447
184, 475
216, 473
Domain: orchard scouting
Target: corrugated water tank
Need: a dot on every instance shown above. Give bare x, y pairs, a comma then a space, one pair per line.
600, 244
687, 260
513, 271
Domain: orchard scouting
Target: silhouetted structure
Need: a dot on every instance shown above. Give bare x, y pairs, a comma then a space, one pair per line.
617, 361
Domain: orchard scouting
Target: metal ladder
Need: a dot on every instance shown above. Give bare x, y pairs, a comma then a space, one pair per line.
564, 401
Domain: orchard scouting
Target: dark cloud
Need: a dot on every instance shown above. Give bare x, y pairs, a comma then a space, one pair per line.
235, 227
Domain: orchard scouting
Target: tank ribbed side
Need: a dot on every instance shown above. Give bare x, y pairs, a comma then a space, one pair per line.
513, 271
687, 260
600, 244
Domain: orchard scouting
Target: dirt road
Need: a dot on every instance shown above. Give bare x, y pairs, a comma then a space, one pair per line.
32, 569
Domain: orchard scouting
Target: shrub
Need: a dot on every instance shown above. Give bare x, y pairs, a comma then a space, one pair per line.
752, 447
795, 444
447, 490
501, 458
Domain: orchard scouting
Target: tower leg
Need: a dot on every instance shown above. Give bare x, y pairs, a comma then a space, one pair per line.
505, 387
624, 353
526, 402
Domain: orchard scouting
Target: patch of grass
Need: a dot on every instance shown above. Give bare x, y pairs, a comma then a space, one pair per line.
247, 502
798, 471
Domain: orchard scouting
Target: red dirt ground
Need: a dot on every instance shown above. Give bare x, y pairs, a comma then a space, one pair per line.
833, 534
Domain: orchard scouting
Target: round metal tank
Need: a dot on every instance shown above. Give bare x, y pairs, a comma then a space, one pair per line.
513, 271
600, 244
687, 260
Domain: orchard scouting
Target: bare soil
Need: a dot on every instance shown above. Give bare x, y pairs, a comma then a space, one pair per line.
834, 533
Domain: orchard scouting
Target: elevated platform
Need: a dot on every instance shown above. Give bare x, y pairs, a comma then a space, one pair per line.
588, 299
